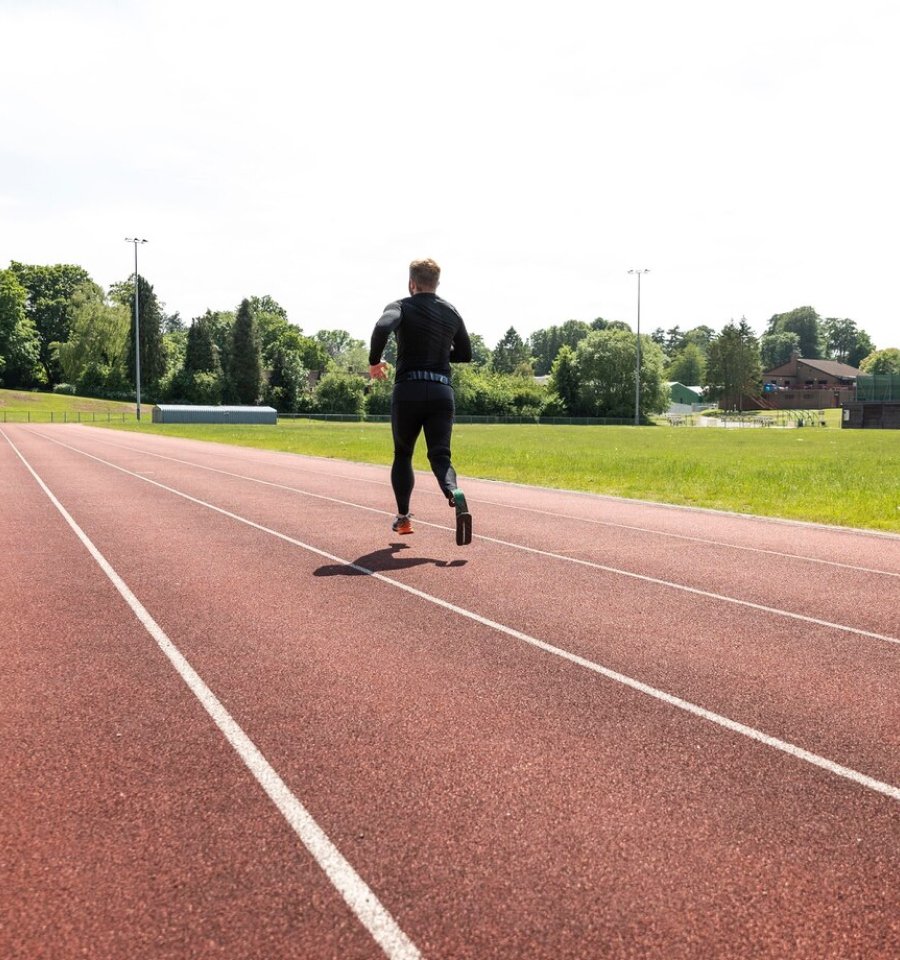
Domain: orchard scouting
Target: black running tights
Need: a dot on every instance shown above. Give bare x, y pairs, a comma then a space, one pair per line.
416, 406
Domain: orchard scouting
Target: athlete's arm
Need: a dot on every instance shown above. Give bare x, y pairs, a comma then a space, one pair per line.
461, 350
389, 322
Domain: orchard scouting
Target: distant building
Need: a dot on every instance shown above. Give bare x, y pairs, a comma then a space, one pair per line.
806, 384
680, 393
197, 413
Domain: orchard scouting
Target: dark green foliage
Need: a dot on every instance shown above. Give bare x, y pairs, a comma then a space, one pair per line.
340, 392
804, 321
49, 290
564, 382
288, 379
688, 366
545, 344
510, 353
605, 369
733, 369
845, 342
150, 320
246, 374
776, 349
19, 342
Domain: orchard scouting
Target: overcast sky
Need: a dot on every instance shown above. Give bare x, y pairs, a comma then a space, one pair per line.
745, 153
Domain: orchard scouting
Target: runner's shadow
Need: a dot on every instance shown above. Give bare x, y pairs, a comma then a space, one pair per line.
382, 561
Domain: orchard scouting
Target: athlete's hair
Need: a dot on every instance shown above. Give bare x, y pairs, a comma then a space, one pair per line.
425, 273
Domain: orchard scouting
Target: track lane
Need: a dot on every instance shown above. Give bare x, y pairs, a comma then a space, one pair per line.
743, 664
555, 744
752, 534
814, 588
112, 817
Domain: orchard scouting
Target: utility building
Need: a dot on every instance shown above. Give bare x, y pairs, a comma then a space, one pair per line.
189, 413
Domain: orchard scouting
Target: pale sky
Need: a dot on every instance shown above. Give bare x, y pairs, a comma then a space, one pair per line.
745, 153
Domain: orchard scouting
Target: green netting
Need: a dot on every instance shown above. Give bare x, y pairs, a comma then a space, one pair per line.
878, 387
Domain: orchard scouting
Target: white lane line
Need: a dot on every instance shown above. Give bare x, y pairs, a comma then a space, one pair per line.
644, 578
357, 895
683, 536
752, 733
603, 523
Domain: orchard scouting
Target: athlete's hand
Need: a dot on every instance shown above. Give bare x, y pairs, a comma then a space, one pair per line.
378, 371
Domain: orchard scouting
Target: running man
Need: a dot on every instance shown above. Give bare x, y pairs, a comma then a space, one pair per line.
430, 333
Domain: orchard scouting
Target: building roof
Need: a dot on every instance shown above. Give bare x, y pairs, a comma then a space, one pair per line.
830, 367
205, 408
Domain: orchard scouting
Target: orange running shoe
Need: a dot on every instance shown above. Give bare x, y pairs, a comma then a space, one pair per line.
403, 524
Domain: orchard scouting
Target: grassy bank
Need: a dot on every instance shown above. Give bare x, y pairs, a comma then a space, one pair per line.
844, 477
22, 406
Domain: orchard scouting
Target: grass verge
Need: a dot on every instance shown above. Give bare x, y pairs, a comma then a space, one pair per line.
841, 477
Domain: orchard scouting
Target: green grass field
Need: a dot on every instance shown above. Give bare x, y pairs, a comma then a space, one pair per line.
20, 406
849, 478
828, 475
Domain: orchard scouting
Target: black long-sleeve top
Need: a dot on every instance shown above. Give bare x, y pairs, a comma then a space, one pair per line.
430, 335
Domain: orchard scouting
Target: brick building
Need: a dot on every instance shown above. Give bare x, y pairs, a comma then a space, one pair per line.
807, 384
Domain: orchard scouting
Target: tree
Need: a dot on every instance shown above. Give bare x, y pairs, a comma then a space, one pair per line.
340, 392
545, 344
19, 342
481, 352
804, 321
288, 379
246, 374
702, 336
845, 342
200, 378
688, 366
733, 368
605, 367
335, 342
201, 353
94, 358
150, 321
882, 361
49, 290
510, 352
564, 381
777, 348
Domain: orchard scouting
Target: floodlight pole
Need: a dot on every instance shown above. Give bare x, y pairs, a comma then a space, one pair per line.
637, 367
137, 329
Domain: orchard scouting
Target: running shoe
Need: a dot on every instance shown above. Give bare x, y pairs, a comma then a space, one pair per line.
463, 518
403, 524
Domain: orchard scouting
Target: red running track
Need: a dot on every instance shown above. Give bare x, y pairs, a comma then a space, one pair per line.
241, 718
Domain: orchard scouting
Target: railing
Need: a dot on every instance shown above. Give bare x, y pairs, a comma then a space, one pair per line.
64, 416
462, 418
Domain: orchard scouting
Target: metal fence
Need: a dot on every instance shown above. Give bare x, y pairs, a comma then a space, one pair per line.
64, 416
461, 418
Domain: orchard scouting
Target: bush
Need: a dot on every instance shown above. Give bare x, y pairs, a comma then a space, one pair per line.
341, 393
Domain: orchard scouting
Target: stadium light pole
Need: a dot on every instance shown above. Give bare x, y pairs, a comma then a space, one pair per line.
137, 329
637, 367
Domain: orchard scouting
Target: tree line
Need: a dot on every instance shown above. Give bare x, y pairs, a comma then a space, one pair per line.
61, 331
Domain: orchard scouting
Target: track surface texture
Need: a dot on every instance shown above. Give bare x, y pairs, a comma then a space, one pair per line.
241, 718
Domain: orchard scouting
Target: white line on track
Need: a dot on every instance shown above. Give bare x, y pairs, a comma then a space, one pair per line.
617, 571
734, 726
603, 523
357, 895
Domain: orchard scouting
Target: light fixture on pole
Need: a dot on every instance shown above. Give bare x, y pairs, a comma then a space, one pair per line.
137, 329
637, 367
